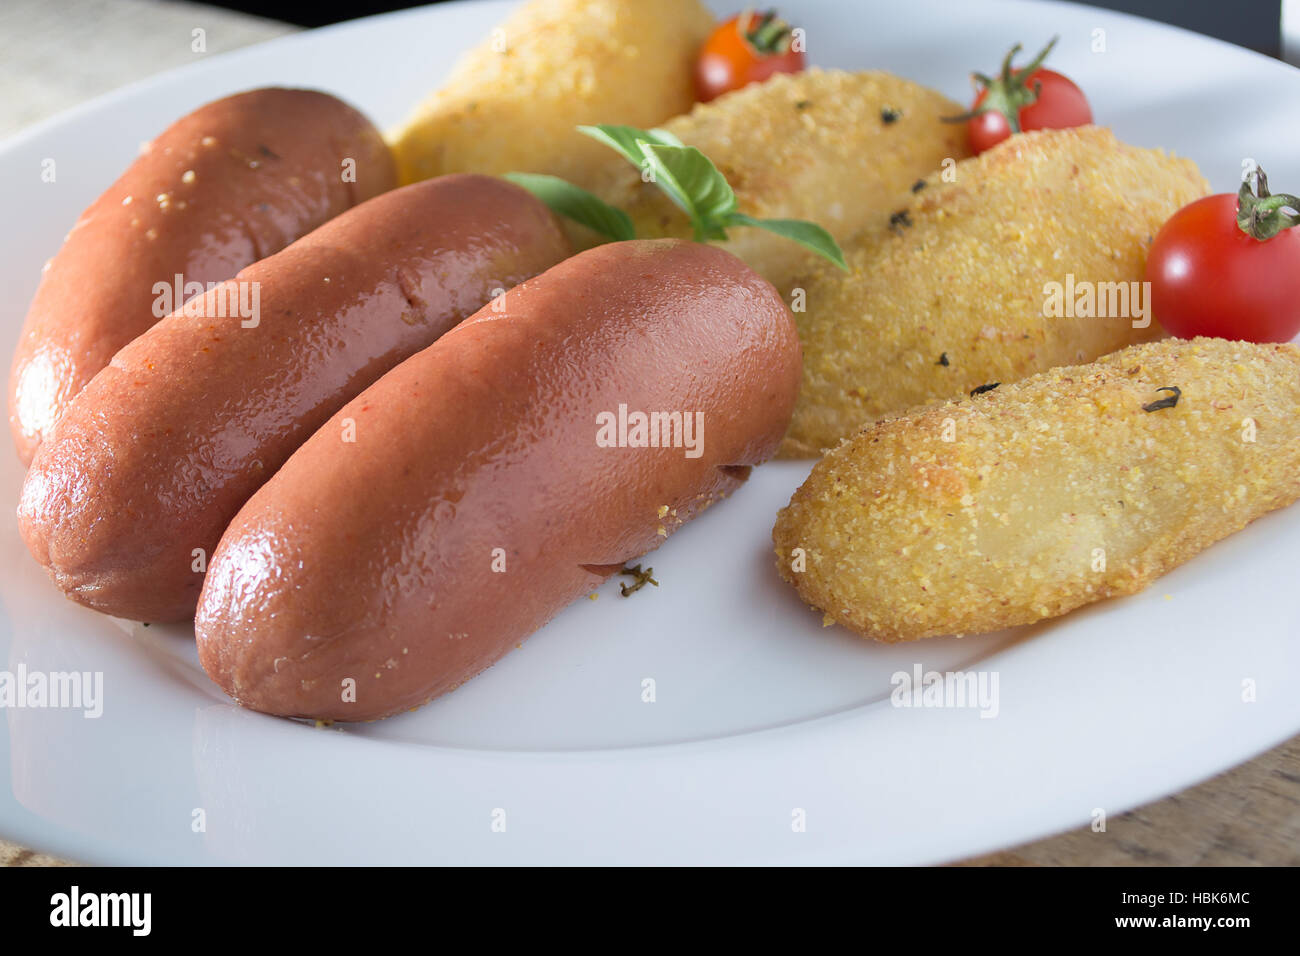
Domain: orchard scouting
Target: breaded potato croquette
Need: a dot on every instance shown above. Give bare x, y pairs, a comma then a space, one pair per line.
828, 146
960, 288
1032, 499
513, 102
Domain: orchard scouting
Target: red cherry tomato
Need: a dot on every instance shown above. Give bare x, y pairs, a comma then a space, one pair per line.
1210, 277
746, 49
1029, 98
1060, 105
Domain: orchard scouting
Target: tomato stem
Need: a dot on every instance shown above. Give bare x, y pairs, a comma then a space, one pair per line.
769, 35
1261, 214
1009, 93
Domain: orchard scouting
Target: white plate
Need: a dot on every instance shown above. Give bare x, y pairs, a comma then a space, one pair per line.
760, 713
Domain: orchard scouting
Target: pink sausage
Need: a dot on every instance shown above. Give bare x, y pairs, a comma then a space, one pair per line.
231, 183
126, 502
493, 481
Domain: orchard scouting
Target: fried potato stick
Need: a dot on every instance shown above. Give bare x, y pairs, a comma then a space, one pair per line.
1032, 499
828, 146
1032, 257
513, 102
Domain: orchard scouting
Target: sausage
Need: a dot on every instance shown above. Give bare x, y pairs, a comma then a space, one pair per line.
126, 501
492, 481
231, 183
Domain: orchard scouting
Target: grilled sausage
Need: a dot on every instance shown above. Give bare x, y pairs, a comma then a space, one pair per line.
492, 481
127, 500
231, 183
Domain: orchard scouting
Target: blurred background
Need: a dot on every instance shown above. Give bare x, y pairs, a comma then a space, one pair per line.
1255, 24
55, 54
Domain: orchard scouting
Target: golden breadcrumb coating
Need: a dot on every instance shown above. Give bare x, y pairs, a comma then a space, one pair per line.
953, 295
1030, 500
564, 62
832, 147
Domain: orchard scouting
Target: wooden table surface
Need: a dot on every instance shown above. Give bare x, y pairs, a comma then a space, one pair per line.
57, 53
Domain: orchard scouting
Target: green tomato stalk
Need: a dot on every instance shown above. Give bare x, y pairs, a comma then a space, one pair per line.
1009, 92
1261, 214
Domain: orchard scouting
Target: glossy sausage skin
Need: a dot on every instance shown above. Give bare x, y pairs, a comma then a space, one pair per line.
127, 500
375, 561
231, 183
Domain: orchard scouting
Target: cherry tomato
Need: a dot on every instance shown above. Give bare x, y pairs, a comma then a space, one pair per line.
1210, 275
746, 49
1029, 98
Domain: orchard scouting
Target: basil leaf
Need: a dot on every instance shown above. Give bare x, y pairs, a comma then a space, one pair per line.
625, 139
688, 178
807, 234
577, 204
694, 183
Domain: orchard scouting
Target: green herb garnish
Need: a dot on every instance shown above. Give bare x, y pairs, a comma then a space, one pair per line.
641, 579
576, 203
1169, 402
626, 140
686, 176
